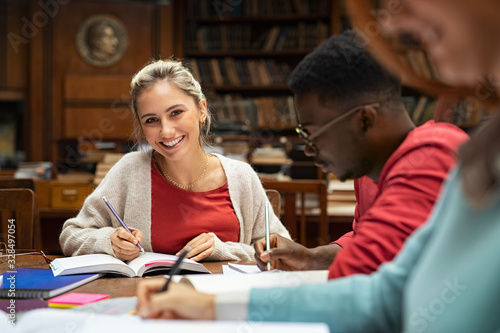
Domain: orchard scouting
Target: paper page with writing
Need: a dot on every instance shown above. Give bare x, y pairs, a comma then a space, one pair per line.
103, 263
59, 320
240, 269
111, 306
219, 283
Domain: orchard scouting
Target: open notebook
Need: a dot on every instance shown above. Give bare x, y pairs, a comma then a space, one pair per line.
219, 283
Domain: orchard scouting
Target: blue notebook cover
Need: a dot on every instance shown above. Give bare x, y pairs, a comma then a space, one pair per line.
39, 283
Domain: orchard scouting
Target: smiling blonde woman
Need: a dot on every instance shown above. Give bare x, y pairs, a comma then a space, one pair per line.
174, 195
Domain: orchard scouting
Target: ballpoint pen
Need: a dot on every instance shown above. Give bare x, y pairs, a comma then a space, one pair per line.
175, 269
268, 241
121, 222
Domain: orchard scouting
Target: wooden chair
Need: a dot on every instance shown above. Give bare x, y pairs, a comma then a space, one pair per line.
290, 190
17, 216
17, 183
29, 184
274, 198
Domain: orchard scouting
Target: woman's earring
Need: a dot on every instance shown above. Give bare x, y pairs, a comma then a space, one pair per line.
202, 123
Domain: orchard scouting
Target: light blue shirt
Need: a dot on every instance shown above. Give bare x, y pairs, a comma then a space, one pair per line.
445, 279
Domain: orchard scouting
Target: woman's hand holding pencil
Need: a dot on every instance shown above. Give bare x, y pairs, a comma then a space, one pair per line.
125, 244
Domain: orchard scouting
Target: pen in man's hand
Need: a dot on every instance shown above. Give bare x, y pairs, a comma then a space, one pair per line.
121, 222
175, 269
268, 241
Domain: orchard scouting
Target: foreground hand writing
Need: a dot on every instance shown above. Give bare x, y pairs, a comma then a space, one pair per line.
202, 246
180, 301
124, 244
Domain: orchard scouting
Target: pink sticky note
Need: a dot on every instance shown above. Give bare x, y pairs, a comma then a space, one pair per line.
74, 299
160, 262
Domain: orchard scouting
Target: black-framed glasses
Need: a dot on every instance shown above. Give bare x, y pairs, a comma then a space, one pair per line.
5, 257
308, 138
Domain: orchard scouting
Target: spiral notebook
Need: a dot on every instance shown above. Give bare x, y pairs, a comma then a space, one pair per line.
39, 283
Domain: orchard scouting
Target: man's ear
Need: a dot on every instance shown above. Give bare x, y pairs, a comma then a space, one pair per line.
368, 115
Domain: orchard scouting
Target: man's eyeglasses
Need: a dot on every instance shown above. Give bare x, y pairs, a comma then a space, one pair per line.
5, 257
308, 138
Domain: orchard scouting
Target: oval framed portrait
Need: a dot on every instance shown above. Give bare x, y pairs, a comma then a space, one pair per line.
101, 40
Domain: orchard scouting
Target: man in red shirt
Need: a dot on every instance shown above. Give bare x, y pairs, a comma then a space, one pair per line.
354, 124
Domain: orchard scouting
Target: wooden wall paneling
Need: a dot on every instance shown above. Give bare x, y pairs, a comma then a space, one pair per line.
165, 28
179, 28
96, 107
80, 107
3, 45
336, 24
16, 50
106, 88
38, 113
95, 123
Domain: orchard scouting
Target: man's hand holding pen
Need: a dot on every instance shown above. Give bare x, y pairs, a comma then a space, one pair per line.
125, 244
284, 254
287, 255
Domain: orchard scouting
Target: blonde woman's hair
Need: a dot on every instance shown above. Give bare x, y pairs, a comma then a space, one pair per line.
173, 72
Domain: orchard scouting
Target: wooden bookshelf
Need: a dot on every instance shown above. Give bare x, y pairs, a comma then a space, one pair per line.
243, 52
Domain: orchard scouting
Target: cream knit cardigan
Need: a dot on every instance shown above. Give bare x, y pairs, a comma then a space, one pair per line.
128, 186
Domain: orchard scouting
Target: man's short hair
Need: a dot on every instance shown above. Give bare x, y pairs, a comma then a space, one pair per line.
341, 69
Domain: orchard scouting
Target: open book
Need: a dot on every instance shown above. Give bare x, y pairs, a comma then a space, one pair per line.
103, 263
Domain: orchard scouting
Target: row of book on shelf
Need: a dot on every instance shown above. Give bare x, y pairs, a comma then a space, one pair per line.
420, 63
225, 37
265, 112
232, 71
221, 8
445, 108
279, 112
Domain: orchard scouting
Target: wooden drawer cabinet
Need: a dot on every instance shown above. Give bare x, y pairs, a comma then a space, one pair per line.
57, 195
58, 201
72, 196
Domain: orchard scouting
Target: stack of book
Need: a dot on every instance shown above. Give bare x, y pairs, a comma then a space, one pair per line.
103, 167
267, 155
341, 197
76, 176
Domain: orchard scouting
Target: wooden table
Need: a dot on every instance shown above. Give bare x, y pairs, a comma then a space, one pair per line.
113, 286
